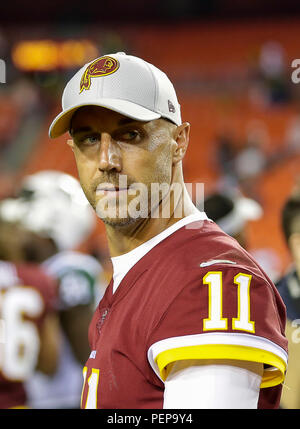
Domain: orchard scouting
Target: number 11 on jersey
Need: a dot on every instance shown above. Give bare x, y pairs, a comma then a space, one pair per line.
215, 321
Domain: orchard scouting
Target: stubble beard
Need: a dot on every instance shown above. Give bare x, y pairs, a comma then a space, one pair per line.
119, 223
126, 218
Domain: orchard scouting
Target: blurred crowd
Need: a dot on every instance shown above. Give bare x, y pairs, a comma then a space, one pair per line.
44, 337
243, 162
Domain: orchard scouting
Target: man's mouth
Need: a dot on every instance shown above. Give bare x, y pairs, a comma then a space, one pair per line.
109, 189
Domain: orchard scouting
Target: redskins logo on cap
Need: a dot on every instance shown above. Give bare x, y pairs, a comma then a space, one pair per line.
101, 67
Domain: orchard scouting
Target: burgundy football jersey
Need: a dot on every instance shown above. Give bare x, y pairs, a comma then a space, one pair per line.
27, 295
195, 295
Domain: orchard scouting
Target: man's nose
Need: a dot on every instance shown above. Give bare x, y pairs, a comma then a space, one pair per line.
110, 154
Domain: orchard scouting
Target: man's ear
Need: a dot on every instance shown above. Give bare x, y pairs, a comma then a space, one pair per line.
181, 136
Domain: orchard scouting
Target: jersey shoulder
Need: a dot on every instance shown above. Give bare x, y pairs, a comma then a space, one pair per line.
204, 244
184, 258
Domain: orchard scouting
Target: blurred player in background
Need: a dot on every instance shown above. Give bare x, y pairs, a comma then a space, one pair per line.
289, 288
29, 327
232, 213
189, 320
52, 204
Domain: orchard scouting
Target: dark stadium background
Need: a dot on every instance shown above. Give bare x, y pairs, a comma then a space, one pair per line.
222, 57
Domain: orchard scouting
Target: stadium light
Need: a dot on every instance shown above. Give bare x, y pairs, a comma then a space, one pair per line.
49, 55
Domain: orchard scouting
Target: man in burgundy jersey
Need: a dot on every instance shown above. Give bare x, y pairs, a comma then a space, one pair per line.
28, 321
189, 319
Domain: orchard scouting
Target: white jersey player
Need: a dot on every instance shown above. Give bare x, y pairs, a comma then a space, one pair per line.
53, 205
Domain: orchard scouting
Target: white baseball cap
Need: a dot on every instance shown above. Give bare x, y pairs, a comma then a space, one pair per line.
123, 83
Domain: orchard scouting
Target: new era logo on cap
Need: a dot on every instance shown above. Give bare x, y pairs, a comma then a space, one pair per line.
171, 106
123, 83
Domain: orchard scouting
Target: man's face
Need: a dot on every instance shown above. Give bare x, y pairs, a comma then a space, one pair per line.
118, 159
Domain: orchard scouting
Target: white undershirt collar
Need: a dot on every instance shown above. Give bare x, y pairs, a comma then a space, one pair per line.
123, 263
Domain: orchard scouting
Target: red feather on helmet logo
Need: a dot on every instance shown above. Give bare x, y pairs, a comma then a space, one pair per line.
101, 67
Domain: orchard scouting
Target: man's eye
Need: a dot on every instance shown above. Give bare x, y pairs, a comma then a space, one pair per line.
130, 135
89, 140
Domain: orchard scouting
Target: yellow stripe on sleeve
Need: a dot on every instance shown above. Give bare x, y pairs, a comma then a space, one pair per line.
223, 351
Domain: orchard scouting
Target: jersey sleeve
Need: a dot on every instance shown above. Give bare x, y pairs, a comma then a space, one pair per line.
223, 313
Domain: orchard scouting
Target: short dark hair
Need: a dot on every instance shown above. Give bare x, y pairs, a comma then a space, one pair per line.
290, 215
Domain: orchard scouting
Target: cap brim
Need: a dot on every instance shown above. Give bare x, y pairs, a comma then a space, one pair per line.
61, 124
